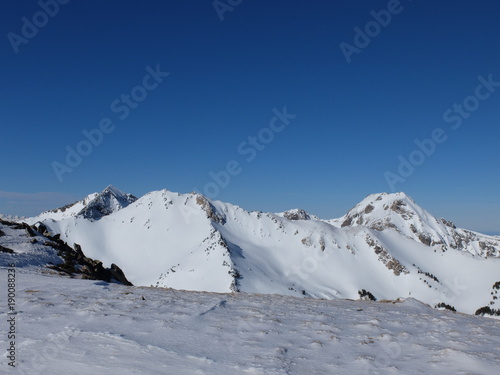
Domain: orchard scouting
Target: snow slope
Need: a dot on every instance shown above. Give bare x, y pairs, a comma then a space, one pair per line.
386, 245
71, 326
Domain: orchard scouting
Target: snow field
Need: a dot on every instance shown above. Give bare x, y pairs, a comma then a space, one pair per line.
76, 326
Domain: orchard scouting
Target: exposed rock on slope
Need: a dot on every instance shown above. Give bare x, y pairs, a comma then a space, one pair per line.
34, 246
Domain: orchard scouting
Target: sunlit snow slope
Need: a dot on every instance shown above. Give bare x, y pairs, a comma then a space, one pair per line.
69, 326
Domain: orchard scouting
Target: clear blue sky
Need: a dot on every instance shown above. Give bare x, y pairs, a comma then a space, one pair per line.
353, 119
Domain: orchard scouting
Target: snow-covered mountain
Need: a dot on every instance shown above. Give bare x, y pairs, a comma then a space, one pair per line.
385, 247
400, 213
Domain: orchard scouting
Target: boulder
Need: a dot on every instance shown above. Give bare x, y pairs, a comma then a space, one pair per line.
30, 232
118, 275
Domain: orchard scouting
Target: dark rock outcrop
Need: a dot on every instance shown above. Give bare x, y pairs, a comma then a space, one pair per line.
76, 263
298, 214
6, 250
41, 228
366, 295
118, 275
31, 232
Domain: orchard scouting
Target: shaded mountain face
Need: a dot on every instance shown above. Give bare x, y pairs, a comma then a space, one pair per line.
385, 247
105, 203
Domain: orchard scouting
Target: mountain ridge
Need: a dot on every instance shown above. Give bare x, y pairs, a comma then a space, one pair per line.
386, 245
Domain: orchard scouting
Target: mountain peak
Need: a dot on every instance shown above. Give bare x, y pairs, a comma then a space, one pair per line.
109, 200
115, 191
400, 213
296, 214
386, 198
381, 207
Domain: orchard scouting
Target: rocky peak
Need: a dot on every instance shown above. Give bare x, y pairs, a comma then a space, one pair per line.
296, 214
377, 208
400, 213
106, 202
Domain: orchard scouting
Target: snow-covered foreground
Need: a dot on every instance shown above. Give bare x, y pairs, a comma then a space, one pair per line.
71, 326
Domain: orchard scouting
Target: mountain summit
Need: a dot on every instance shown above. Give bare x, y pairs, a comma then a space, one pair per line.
385, 247
106, 202
400, 213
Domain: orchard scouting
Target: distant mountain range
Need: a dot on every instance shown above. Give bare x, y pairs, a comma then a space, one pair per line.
384, 248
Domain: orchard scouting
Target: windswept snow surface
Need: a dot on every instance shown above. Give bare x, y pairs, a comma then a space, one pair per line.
71, 326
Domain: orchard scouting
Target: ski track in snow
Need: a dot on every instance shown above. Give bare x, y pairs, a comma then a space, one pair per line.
72, 326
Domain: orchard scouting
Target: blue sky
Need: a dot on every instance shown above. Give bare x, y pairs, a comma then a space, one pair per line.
230, 71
